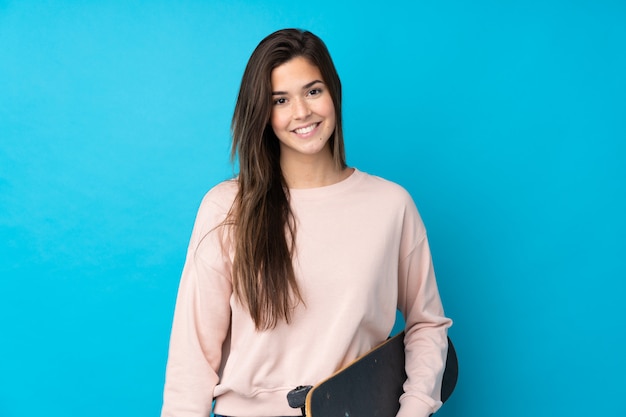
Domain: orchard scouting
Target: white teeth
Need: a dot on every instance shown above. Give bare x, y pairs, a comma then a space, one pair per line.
305, 130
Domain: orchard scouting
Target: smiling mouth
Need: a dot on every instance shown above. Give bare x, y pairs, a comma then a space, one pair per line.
307, 129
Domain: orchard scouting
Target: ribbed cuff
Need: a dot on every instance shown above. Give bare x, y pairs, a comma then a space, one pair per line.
414, 407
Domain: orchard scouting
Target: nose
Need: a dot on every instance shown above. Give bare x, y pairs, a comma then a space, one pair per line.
301, 109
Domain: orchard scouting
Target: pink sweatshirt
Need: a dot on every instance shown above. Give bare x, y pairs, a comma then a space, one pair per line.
362, 252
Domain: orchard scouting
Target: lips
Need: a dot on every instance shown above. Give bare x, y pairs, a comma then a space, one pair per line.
306, 129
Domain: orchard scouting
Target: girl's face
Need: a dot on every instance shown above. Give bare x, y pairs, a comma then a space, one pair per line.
303, 113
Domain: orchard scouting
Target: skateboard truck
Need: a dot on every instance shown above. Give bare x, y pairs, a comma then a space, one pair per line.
297, 397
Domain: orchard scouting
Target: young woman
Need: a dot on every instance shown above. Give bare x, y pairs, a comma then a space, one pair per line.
297, 266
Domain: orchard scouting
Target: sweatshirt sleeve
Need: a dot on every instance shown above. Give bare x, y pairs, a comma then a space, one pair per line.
426, 326
201, 319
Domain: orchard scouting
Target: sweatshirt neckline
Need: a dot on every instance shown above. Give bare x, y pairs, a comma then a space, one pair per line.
327, 190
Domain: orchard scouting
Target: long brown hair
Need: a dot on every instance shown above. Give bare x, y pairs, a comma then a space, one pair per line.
264, 227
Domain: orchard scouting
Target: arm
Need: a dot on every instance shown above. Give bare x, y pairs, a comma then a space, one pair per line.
426, 326
201, 322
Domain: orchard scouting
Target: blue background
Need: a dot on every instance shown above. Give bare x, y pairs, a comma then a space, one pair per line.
505, 120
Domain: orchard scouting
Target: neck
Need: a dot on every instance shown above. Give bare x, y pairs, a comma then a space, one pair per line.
312, 172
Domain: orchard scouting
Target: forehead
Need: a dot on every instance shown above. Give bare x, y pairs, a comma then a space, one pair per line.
294, 74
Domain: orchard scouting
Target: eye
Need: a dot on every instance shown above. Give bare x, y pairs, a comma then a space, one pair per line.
279, 101
315, 92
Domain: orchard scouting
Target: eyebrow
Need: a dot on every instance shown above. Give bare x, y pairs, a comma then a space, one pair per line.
308, 85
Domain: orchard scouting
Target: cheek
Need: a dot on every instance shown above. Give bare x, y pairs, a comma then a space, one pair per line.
330, 111
331, 117
276, 120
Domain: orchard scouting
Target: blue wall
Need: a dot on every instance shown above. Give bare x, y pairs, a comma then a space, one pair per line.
506, 122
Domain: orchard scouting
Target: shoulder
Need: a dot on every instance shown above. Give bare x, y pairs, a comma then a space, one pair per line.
392, 199
221, 195
383, 188
216, 205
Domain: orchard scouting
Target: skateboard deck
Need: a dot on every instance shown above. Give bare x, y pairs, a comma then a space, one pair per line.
371, 386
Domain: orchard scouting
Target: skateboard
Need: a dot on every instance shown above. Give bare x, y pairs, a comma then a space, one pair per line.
370, 386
